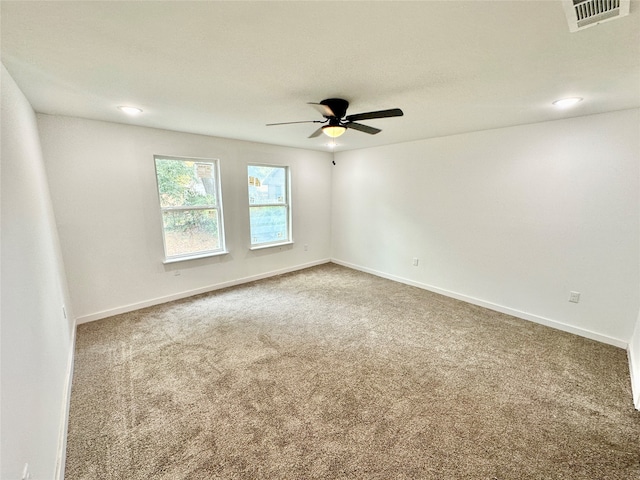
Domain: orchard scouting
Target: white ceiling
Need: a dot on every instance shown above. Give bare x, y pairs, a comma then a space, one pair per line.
228, 68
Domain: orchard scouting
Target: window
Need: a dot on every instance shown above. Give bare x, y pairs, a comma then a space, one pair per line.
269, 206
189, 192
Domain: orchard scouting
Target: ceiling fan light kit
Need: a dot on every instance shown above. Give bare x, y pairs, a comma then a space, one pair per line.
333, 131
334, 110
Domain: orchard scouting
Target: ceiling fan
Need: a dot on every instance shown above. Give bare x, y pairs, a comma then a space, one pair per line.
334, 111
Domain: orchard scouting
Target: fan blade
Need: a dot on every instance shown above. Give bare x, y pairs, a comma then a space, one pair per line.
289, 123
362, 128
317, 133
394, 112
323, 109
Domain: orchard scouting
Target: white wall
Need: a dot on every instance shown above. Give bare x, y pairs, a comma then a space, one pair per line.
512, 218
633, 353
104, 194
634, 363
37, 340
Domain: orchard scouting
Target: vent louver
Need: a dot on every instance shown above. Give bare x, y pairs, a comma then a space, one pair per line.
582, 14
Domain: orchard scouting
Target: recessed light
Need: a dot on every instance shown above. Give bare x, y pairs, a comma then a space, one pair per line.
567, 102
130, 110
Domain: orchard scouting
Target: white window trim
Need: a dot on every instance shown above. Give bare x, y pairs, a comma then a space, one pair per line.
287, 205
218, 207
270, 245
194, 256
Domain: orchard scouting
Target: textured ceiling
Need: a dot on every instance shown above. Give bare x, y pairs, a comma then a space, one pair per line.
228, 68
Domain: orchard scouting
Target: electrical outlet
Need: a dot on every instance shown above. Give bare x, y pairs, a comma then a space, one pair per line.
574, 297
306, 247
415, 262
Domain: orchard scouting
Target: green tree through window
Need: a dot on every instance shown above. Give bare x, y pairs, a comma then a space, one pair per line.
189, 195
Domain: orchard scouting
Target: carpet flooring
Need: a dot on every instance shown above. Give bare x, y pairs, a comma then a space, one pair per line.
331, 373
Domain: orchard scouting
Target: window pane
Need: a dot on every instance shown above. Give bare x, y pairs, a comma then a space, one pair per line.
268, 224
267, 185
185, 183
190, 231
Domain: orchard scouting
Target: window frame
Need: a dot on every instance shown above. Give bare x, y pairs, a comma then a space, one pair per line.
286, 204
218, 207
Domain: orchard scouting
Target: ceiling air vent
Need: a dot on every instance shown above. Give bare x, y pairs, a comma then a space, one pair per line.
582, 14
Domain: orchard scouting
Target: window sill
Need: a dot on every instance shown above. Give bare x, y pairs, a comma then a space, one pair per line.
270, 245
194, 257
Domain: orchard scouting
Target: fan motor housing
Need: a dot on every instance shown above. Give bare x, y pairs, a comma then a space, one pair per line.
337, 105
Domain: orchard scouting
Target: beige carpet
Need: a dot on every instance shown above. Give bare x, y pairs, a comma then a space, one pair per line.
330, 373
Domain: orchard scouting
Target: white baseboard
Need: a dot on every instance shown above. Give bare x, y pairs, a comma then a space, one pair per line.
634, 372
634, 366
492, 306
475, 301
66, 404
189, 293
